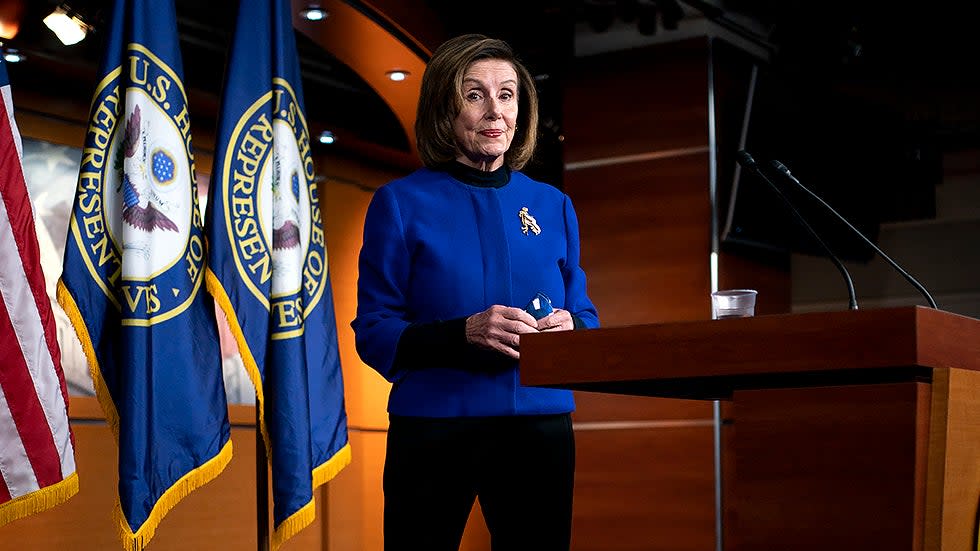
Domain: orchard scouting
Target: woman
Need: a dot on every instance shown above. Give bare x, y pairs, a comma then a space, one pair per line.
451, 255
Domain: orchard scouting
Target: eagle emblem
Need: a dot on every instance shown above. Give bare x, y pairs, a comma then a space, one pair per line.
141, 204
137, 220
285, 213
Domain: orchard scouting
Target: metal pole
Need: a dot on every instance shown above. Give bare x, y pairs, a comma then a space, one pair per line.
261, 485
719, 512
713, 275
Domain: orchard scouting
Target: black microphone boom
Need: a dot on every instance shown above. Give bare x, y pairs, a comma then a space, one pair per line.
785, 172
749, 163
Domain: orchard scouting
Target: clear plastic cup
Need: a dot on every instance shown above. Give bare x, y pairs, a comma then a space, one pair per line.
733, 303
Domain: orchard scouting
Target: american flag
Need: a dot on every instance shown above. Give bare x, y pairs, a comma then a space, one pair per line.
37, 452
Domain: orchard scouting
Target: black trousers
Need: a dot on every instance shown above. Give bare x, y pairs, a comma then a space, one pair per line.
521, 468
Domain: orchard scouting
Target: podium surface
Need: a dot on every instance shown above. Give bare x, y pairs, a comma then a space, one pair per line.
849, 430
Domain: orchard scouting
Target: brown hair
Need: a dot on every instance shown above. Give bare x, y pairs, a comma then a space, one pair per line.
441, 100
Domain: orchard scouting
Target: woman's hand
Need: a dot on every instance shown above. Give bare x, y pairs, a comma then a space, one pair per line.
558, 320
500, 328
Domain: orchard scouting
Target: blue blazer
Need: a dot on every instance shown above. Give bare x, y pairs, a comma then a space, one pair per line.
435, 249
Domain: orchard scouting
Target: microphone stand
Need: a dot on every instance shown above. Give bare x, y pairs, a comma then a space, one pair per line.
749, 163
785, 171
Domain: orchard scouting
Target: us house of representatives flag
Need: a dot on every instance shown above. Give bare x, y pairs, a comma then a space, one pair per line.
133, 280
37, 448
268, 264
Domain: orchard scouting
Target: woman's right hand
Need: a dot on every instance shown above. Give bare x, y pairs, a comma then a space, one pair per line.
500, 328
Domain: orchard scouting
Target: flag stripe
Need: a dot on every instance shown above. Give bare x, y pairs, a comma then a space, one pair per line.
15, 194
31, 262
4, 492
23, 419
37, 458
15, 466
8, 105
30, 376
33, 377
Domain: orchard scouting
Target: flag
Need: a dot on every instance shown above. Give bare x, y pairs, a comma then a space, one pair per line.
267, 262
133, 279
37, 447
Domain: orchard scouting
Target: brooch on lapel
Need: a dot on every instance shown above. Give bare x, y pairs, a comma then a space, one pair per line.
528, 222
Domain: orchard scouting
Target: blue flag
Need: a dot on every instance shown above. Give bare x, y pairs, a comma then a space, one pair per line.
268, 266
133, 281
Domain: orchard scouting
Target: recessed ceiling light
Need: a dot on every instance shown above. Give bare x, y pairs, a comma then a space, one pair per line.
327, 137
314, 12
67, 25
397, 75
12, 55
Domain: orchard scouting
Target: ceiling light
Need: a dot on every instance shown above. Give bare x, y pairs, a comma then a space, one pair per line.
397, 75
8, 29
12, 55
327, 137
67, 25
314, 12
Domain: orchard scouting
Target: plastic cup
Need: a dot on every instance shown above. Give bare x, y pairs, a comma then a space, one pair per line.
733, 303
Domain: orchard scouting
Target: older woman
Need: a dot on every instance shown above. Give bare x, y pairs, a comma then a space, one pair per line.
452, 253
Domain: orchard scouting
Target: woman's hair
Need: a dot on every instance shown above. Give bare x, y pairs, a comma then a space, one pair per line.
441, 100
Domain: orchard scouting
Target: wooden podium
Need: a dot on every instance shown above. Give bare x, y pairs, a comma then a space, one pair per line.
849, 430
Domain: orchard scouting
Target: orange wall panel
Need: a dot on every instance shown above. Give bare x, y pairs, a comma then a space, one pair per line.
344, 206
219, 515
645, 238
636, 102
643, 489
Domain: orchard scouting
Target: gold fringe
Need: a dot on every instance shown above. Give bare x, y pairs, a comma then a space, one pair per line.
292, 525
68, 304
184, 486
329, 468
307, 514
136, 541
322, 473
39, 500
252, 368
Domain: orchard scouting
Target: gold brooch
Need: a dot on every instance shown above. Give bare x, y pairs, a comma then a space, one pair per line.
528, 222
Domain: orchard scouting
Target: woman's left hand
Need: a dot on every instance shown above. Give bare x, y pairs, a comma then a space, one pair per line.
559, 320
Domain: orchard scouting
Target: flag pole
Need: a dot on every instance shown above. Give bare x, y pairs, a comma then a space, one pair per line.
261, 485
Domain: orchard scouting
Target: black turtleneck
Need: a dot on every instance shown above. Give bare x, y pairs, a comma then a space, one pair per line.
477, 177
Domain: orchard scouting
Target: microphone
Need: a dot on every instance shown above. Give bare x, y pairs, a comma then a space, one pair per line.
745, 159
785, 172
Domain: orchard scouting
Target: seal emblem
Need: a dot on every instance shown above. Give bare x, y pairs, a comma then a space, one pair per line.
273, 226
137, 220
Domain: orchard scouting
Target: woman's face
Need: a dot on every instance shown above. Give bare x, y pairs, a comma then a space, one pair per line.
485, 126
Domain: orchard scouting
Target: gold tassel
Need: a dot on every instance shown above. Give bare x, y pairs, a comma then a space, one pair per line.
191, 481
39, 500
187, 483
292, 525
252, 368
68, 304
329, 468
